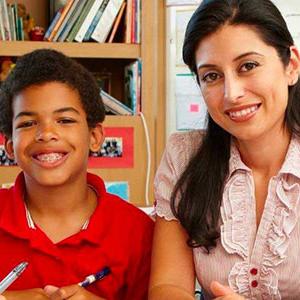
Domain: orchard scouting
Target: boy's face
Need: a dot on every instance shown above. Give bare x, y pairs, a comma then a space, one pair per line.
51, 138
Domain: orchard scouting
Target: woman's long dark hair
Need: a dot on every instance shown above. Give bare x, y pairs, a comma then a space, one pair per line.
197, 196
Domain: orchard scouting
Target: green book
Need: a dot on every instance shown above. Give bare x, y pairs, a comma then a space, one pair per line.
80, 20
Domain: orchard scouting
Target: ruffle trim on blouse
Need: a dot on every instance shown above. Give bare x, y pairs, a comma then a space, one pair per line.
234, 213
163, 210
285, 218
240, 281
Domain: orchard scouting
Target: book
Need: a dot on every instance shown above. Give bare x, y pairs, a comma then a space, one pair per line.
128, 20
5, 21
105, 23
66, 19
2, 36
132, 81
64, 12
87, 21
133, 18
12, 22
70, 23
52, 24
117, 23
54, 6
114, 105
79, 20
95, 21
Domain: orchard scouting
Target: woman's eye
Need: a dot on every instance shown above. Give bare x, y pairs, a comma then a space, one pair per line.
248, 66
210, 77
26, 124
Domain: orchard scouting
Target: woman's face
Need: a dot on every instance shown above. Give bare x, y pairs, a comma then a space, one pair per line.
244, 82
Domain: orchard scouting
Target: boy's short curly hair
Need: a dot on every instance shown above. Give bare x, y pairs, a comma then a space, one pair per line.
46, 65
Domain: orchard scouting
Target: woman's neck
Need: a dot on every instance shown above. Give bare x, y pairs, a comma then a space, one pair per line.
266, 154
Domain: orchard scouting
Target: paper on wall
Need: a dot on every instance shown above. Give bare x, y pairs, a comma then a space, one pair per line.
190, 107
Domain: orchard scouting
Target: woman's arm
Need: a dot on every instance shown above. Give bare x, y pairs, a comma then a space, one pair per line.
172, 270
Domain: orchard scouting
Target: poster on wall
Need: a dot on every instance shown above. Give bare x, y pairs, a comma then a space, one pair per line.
116, 151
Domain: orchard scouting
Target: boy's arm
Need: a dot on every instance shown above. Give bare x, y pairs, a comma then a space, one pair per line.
32, 294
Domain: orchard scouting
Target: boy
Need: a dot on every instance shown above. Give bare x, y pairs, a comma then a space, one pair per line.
57, 217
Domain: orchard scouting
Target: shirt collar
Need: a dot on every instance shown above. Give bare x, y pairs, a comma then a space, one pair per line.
291, 163
235, 161
16, 219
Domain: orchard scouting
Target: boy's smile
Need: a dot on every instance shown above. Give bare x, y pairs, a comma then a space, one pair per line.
51, 138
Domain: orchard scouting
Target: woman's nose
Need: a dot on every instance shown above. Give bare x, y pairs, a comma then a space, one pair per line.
233, 89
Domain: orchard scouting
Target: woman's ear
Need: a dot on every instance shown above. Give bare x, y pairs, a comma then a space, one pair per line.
9, 148
293, 69
97, 137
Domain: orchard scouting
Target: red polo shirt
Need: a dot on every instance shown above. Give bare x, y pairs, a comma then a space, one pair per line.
118, 235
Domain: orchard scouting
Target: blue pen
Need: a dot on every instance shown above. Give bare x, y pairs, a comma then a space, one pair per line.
94, 277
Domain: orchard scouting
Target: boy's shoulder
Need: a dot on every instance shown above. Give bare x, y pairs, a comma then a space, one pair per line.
5, 195
122, 208
115, 206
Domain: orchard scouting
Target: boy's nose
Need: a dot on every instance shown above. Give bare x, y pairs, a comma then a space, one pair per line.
233, 89
46, 133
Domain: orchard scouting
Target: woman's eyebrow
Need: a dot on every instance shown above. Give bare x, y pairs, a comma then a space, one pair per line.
200, 66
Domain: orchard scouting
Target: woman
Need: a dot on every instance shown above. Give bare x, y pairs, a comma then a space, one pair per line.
228, 200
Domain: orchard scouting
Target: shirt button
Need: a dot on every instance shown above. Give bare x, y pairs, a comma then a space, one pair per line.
254, 283
253, 271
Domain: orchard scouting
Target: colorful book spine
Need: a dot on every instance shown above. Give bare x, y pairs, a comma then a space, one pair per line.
2, 36
65, 21
80, 20
5, 20
133, 18
52, 24
106, 21
87, 21
95, 21
76, 13
64, 12
117, 23
12, 23
128, 20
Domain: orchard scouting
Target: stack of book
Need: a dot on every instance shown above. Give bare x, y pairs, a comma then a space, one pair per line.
133, 86
11, 25
114, 106
95, 20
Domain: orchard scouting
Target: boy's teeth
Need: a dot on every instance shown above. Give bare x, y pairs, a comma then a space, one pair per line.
49, 157
243, 112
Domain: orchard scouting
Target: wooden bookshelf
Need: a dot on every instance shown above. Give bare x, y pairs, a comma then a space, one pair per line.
114, 56
84, 50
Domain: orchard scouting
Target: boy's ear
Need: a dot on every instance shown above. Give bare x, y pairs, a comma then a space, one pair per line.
9, 147
97, 137
293, 69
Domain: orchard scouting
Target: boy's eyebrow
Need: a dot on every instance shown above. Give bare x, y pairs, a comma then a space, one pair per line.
25, 113
67, 109
61, 110
199, 66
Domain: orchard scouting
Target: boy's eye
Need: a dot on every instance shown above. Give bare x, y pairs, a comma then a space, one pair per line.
210, 77
26, 124
66, 121
248, 66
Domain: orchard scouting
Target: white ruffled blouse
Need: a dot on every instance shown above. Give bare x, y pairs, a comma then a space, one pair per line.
258, 263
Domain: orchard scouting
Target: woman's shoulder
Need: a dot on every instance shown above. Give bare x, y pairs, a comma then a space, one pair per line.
184, 144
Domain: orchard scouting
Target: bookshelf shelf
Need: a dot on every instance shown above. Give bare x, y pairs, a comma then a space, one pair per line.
83, 50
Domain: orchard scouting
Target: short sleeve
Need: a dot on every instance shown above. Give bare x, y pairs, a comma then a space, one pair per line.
180, 148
